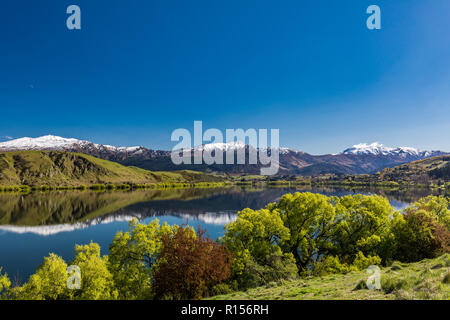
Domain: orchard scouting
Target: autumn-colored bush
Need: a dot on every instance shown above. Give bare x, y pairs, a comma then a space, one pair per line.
190, 265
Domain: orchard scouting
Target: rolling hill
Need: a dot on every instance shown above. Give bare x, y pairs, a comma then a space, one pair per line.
424, 171
58, 168
424, 280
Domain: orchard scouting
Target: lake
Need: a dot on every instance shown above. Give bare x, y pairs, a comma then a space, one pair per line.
33, 225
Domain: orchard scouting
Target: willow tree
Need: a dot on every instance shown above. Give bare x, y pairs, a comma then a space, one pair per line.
255, 240
132, 257
310, 219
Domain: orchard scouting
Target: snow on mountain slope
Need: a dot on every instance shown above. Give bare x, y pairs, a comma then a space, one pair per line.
235, 145
379, 149
50, 142
39, 143
238, 145
361, 158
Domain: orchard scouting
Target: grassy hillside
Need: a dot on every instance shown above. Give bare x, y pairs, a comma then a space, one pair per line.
69, 169
424, 171
433, 172
428, 279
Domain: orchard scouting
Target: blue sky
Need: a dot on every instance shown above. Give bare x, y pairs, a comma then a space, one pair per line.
140, 69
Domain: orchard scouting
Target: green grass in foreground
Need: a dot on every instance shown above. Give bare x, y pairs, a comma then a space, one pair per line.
428, 279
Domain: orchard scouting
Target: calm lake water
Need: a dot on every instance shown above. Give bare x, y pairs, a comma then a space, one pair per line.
33, 225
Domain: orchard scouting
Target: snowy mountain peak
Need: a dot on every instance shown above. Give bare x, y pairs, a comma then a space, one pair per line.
377, 148
238, 145
50, 142
234, 145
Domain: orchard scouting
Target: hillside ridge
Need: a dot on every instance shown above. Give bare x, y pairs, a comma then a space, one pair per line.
67, 168
427, 279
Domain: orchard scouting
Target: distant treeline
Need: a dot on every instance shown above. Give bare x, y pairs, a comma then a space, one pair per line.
111, 187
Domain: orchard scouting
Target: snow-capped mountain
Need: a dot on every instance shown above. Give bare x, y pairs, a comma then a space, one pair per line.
376, 148
50, 142
235, 145
55, 143
37, 143
238, 145
361, 158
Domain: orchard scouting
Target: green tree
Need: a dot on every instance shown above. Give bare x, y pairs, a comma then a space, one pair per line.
48, 283
254, 241
438, 207
5, 285
96, 280
310, 220
364, 223
132, 256
419, 236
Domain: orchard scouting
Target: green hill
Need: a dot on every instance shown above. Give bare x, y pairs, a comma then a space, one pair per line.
71, 169
429, 172
432, 170
428, 279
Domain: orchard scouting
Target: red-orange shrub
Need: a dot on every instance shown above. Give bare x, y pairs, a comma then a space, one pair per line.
189, 265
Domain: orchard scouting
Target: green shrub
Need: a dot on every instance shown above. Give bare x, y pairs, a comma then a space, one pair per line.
390, 284
220, 289
330, 265
420, 236
396, 266
139, 186
123, 186
98, 187
436, 207
5, 285
446, 279
275, 268
361, 262
25, 188
362, 285
12, 189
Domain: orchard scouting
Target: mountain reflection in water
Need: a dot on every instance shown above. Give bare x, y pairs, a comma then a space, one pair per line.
33, 225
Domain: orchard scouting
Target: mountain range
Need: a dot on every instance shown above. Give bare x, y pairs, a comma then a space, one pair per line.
359, 159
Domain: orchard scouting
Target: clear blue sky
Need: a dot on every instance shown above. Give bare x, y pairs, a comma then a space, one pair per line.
140, 69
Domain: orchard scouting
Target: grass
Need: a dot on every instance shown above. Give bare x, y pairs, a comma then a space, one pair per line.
66, 170
425, 280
